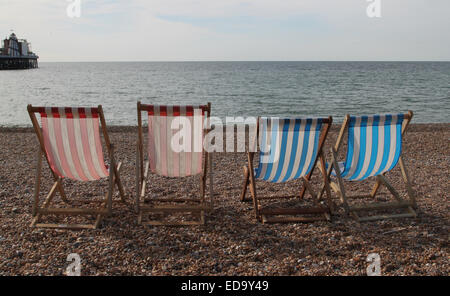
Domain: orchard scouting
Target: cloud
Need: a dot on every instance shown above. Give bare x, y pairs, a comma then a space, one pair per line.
231, 30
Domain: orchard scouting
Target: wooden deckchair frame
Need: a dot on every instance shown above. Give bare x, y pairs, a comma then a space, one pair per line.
100, 212
272, 215
201, 205
353, 211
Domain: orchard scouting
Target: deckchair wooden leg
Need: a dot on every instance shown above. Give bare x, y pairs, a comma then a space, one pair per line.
245, 184
143, 184
211, 182
310, 190
326, 183
339, 179
110, 187
394, 193
203, 187
138, 181
314, 197
61, 190
406, 179
303, 190
98, 221
337, 146
100, 217
37, 185
46, 203
253, 185
139, 220
202, 218
118, 182
322, 189
46, 210
375, 188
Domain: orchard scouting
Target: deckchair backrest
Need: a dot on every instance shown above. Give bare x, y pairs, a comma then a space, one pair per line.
288, 147
175, 139
374, 145
72, 142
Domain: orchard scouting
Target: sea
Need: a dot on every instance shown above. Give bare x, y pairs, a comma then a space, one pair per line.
284, 89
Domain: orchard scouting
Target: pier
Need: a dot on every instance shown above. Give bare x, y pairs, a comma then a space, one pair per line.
12, 63
17, 54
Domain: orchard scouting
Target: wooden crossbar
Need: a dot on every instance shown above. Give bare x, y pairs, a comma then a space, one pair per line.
266, 219
383, 217
294, 211
173, 224
65, 226
175, 200
278, 197
381, 206
168, 208
72, 211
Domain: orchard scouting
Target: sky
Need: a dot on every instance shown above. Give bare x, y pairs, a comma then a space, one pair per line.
231, 30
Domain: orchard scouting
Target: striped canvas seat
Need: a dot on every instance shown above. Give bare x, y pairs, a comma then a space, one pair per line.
374, 146
72, 143
288, 148
166, 129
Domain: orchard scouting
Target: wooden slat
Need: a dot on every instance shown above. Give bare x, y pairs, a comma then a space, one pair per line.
71, 211
65, 226
293, 211
381, 206
291, 219
156, 200
278, 197
359, 196
163, 223
382, 217
174, 208
87, 201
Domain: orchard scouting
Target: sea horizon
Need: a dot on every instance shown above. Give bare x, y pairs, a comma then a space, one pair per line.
256, 61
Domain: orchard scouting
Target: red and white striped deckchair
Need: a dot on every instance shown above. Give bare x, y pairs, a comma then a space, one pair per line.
167, 125
70, 140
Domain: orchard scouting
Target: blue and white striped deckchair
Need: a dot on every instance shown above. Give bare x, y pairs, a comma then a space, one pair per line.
289, 150
374, 148
295, 142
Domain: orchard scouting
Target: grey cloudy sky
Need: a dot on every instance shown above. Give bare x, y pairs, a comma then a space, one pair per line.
206, 30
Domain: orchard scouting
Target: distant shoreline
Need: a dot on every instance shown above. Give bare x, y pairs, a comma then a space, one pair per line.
275, 61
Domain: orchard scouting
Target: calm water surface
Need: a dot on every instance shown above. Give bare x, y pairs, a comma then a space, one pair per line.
233, 88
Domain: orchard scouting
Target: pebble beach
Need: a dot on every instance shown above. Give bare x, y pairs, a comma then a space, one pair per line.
232, 242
